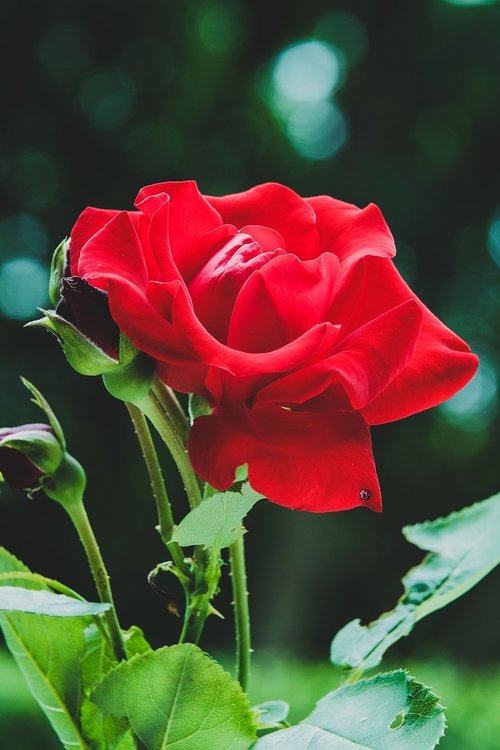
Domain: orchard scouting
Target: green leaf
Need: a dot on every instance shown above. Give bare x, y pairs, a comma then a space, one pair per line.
271, 716
273, 712
18, 599
387, 712
102, 732
463, 548
48, 651
177, 697
135, 641
217, 521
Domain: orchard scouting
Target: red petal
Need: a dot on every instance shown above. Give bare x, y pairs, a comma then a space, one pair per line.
351, 232
88, 223
282, 301
275, 206
371, 357
268, 239
367, 362
308, 461
114, 252
216, 286
441, 362
440, 366
190, 216
205, 347
147, 328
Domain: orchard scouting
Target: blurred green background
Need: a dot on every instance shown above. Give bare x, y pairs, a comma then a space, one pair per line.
395, 103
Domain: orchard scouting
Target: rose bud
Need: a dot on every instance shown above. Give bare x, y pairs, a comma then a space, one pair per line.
89, 337
27, 453
288, 316
33, 457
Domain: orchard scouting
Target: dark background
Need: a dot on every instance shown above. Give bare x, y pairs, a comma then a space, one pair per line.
395, 103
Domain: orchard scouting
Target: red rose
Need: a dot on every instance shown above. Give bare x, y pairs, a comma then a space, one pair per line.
288, 316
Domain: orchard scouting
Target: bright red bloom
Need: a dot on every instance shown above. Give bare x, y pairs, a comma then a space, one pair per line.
288, 316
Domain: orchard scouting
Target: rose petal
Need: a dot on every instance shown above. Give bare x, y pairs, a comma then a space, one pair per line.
441, 362
367, 361
88, 223
114, 252
138, 319
210, 351
216, 286
308, 461
268, 239
190, 216
351, 232
277, 207
282, 301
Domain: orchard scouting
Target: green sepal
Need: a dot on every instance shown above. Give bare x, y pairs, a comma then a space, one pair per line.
132, 381
57, 269
83, 355
39, 399
126, 350
42, 448
198, 407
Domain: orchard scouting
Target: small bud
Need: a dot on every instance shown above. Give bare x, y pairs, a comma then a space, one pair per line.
33, 457
27, 453
91, 340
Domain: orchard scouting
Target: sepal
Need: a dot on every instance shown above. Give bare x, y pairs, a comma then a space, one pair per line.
132, 381
84, 356
58, 268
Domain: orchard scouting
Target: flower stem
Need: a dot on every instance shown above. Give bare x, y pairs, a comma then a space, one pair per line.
199, 607
78, 515
241, 612
151, 406
163, 507
172, 407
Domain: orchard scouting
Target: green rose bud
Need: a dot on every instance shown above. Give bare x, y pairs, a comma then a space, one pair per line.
27, 453
34, 456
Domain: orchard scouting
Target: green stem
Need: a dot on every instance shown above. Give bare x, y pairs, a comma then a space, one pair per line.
241, 612
163, 507
199, 606
78, 515
155, 411
172, 407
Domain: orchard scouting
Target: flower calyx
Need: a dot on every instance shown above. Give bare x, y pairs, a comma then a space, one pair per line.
90, 339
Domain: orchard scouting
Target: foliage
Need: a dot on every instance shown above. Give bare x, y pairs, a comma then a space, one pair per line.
390, 711
217, 521
462, 548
